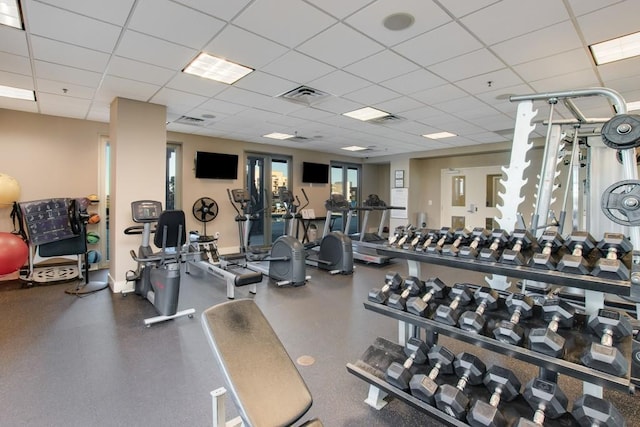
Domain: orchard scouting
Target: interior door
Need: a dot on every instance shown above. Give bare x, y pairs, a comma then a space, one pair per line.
345, 180
469, 197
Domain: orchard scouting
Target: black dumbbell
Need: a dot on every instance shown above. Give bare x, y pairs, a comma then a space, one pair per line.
551, 242
591, 411
392, 282
461, 235
424, 387
473, 321
417, 237
480, 237
445, 236
547, 400
504, 386
613, 246
452, 400
580, 243
409, 232
399, 375
611, 326
435, 289
499, 238
521, 307
448, 314
547, 340
412, 286
521, 239
429, 237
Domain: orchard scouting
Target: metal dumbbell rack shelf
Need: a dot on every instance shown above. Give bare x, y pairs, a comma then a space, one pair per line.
373, 364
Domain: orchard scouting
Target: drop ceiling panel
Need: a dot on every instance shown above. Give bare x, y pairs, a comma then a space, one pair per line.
622, 19
413, 82
460, 8
179, 100
223, 9
581, 7
99, 112
196, 85
66, 54
289, 22
113, 11
340, 8
298, 68
399, 105
338, 83
370, 19
490, 25
18, 105
252, 99
424, 51
582, 79
13, 41
421, 114
562, 63
59, 105
439, 94
15, 64
376, 67
457, 68
620, 69
16, 80
354, 46
113, 87
490, 82
264, 83
171, 21
144, 48
312, 114
77, 30
371, 95
141, 71
58, 88
63, 73
219, 106
242, 47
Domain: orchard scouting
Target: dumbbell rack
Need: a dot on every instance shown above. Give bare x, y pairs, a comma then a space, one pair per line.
578, 339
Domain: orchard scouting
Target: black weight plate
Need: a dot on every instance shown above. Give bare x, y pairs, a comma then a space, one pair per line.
622, 132
621, 202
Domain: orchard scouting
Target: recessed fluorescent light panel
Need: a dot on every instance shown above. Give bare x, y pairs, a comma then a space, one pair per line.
366, 113
354, 148
10, 13
440, 135
13, 92
616, 49
217, 69
633, 106
277, 135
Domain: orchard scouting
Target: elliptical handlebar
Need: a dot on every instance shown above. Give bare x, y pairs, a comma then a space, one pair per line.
306, 199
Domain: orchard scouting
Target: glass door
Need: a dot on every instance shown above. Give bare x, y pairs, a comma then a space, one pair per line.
345, 180
266, 174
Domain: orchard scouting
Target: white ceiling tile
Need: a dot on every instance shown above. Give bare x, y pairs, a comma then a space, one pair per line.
353, 46
399, 105
580, 7
491, 25
439, 94
78, 30
540, 44
243, 47
256, 100
66, 54
218, 106
460, 8
60, 105
171, 21
428, 49
620, 69
622, 18
625, 85
578, 80
178, 100
414, 81
265, 84
113, 11
19, 81
58, 88
422, 113
460, 106
116, 87
297, 67
499, 79
338, 83
222, 9
99, 112
562, 63
370, 19
486, 137
135, 70
337, 105
144, 48
15, 64
62, 73
376, 67
458, 68
289, 22
13, 40
371, 95
311, 113
340, 8
18, 105
196, 85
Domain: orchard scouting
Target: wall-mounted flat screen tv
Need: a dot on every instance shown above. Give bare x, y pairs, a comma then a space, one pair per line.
315, 173
216, 165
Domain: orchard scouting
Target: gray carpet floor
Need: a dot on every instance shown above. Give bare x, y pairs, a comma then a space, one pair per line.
70, 361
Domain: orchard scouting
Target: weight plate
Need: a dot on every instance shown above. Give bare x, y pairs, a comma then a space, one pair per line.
622, 132
621, 202
205, 209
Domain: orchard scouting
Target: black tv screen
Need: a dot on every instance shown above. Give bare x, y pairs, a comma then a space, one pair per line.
315, 173
216, 165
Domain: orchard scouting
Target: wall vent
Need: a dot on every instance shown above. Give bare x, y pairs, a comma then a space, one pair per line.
385, 120
304, 95
193, 121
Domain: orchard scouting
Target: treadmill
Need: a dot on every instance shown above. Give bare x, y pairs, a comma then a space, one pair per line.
365, 244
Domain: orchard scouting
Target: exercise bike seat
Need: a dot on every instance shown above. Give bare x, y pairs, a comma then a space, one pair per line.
263, 381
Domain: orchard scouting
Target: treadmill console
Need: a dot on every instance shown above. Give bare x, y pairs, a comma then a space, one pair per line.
145, 211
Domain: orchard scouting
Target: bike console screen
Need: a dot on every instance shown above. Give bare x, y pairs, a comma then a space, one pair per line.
146, 210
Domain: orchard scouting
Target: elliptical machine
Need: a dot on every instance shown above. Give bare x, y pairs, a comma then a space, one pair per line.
284, 262
157, 277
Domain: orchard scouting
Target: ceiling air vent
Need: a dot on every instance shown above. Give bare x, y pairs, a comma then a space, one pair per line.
304, 95
193, 121
386, 120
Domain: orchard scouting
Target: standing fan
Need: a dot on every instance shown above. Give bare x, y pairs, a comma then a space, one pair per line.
205, 209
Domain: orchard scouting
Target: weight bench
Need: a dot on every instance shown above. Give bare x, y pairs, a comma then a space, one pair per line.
263, 381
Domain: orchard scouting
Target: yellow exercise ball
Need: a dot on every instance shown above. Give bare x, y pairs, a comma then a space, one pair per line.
9, 189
